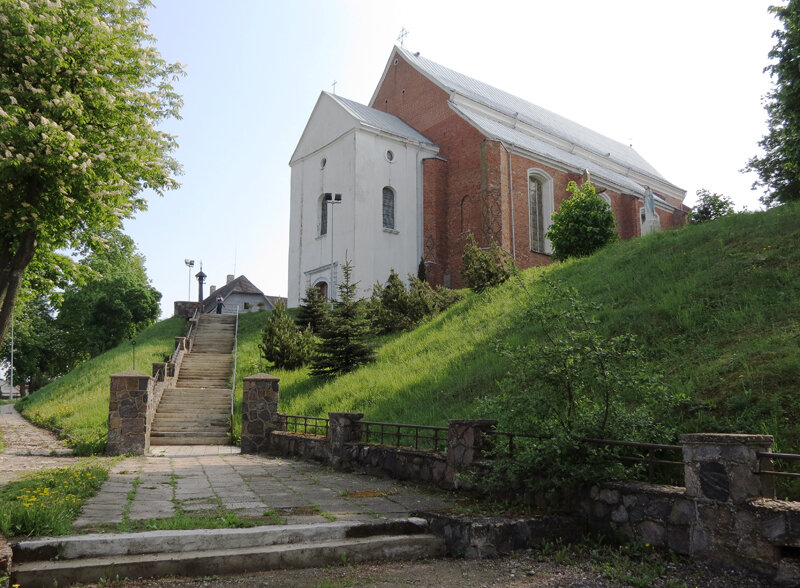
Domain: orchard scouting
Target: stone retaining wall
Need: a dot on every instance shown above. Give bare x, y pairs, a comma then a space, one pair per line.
726, 514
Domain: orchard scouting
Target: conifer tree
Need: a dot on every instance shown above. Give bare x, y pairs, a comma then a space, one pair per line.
342, 348
281, 342
313, 310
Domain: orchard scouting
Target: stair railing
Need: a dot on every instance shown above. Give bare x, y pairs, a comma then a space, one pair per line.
235, 358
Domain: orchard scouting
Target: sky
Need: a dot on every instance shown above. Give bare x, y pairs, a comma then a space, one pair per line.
681, 81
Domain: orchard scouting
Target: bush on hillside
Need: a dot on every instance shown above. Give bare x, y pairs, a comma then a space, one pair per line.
282, 344
583, 223
569, 385
484, 268
710, 207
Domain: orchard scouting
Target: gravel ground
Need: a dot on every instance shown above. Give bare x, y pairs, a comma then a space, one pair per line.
527, 568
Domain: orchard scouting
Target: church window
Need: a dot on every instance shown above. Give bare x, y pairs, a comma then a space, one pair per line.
323, 216
322, 163
389, 155
540, 210
388, 208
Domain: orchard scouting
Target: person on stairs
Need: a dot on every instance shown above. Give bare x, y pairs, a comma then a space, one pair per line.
220, 300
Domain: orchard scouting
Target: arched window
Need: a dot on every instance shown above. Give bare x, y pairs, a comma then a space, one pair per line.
323, 289
466, 214
323, 216
388, 208
540, 210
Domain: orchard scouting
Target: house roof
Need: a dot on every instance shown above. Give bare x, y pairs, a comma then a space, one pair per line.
513, 120
240, 285
382, 121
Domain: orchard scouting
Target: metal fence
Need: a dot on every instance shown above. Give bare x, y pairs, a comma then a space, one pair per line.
420, 437
305, 425
781, 457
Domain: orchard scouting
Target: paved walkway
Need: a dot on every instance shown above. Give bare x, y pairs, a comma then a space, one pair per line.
27, 448
218, 480
213, 480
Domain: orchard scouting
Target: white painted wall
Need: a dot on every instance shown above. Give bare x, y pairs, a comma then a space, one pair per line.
356, 167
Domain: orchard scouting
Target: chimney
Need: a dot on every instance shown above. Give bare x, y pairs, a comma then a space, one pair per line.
211, 290
229, 279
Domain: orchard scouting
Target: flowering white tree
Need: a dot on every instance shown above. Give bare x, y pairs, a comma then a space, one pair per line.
82, 90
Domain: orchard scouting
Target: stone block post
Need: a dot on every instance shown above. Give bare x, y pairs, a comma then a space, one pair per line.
343, 428
127, 414
160, 370
181, 343
259, 412
724, 467
466, 442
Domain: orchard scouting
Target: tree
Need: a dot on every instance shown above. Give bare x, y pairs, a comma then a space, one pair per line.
113, 303
342, 348
313, 310
82, 89
779, 168
281, 342
391, 310
583, 223
484, 268
709, 207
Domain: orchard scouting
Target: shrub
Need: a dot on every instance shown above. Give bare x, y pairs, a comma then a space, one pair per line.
484, 268
583, 223
390, 307
575, 384
709, 207
281, 342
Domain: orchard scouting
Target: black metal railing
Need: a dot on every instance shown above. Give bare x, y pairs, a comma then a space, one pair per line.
420, 437
790, 457
304, 425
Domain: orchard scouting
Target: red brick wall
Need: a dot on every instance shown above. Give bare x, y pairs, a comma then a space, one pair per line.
469, 191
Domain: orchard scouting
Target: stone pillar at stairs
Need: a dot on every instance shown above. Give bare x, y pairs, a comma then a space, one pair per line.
259, 412
127, 414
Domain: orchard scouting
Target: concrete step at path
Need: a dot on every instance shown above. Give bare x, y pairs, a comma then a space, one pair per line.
207, 552
159, 439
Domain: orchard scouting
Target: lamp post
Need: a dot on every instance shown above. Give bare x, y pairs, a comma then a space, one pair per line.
189, 264
332, 199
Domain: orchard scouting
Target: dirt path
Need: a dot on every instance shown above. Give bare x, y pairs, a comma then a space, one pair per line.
27, 448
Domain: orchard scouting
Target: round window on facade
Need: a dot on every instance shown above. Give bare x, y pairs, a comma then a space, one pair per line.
389, 155
322, 163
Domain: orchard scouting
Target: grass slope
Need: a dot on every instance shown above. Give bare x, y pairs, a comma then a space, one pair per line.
715, 306
77, 403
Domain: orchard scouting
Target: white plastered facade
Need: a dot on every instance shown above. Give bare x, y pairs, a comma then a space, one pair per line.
357, 167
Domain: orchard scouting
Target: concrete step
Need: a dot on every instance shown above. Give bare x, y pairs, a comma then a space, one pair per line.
207, 552
188, 439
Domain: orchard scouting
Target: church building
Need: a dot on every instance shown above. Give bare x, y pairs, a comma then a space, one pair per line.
437, 155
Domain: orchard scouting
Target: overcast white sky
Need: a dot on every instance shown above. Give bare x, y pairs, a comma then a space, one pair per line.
682, 81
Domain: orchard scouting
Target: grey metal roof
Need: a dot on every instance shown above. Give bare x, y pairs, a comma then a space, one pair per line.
532, 114
380, 120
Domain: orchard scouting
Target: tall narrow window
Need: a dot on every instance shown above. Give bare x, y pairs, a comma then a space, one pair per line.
323, 216
536, 214
388, 208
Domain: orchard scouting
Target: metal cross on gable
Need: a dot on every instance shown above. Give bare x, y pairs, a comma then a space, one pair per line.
334, 86
403, 34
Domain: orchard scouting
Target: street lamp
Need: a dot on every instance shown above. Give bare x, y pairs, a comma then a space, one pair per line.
332, 199
189, 264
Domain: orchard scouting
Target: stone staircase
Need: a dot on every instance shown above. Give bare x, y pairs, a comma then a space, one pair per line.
102, 558
197, 410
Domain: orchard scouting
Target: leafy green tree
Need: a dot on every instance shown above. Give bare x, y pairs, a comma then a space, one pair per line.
709, 207
82, 90
583, 223
113, 303
342, 348
484, 268
313, 310
282, 343
779, 168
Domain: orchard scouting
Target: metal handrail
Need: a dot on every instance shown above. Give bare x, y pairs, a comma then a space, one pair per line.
781, 456
293, 423
235, 360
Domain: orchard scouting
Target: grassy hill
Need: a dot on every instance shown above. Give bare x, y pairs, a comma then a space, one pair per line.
77, 403
716, 308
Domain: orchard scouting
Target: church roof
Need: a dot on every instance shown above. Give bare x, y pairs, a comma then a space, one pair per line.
513, 120
380, 120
